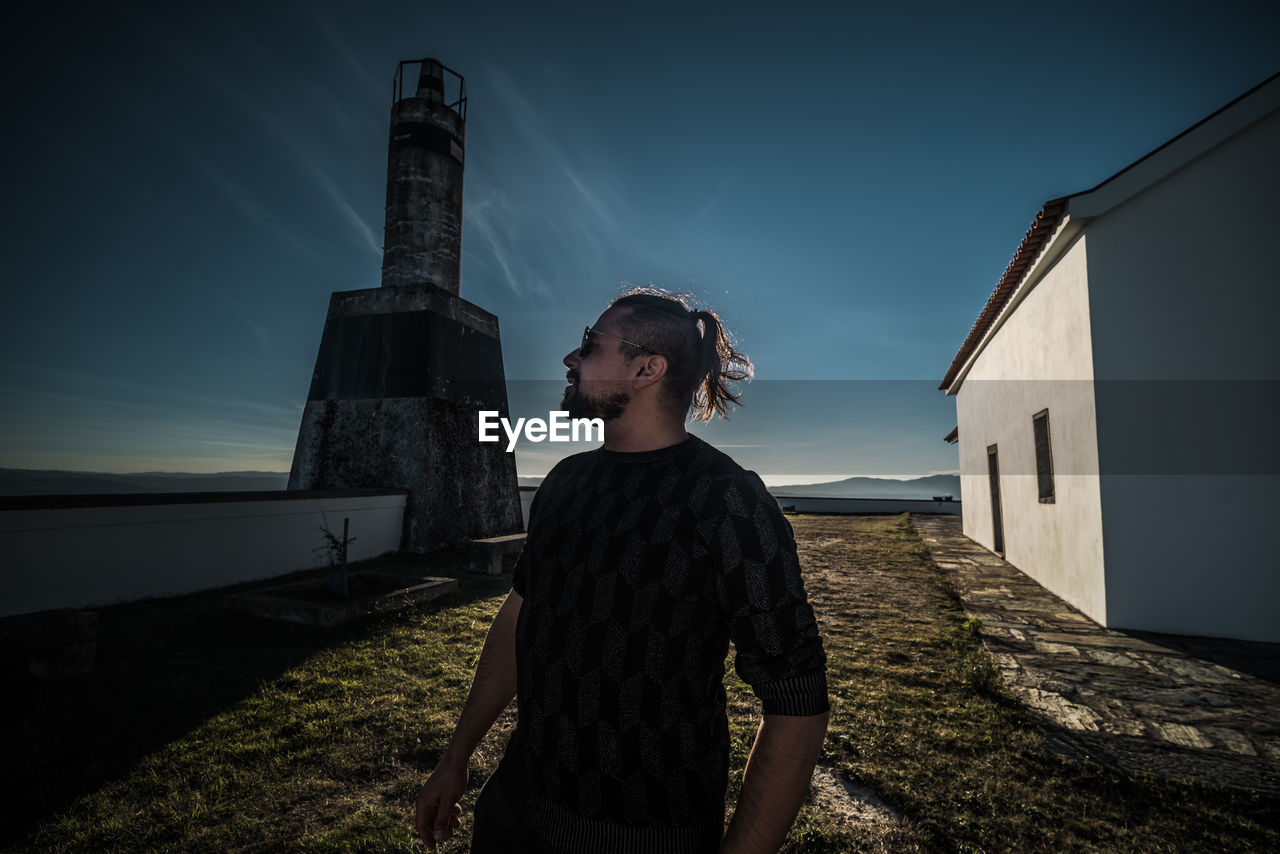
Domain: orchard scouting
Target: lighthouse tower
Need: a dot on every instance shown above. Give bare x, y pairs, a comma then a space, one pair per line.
403, 369
424, 183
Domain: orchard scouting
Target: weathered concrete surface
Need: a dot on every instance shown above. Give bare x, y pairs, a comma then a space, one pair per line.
301, 602
459, 489
399, 380
1196, 708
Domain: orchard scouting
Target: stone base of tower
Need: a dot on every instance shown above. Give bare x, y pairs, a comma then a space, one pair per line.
401, 376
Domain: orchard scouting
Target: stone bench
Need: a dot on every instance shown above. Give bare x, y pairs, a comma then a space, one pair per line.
496, 555
49, 644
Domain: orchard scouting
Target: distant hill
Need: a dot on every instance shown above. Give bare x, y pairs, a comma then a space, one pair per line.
531, 481
877, 487
57, 482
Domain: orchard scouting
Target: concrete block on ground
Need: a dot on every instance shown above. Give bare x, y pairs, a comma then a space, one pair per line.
496, 555
310, 603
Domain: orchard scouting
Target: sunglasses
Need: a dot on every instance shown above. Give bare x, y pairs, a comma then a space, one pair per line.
584, 349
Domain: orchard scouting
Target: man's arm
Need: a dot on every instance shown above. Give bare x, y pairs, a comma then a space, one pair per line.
492, 687
775, 782
779, 654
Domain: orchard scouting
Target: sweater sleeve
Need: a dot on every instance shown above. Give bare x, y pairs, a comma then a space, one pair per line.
761, 594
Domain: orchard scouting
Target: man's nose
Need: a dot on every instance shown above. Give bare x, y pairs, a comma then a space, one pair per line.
571, 360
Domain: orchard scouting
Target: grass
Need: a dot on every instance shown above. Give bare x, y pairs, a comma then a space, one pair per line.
204, 730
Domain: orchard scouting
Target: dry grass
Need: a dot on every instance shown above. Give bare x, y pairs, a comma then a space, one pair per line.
202, 730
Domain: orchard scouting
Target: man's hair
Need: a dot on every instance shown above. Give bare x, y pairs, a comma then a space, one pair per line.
702, 365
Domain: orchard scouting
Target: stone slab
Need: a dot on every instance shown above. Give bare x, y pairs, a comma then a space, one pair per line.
495, 555
303, 602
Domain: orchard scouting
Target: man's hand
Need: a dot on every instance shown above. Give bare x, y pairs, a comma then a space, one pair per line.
439, 813
493, 686
775, 782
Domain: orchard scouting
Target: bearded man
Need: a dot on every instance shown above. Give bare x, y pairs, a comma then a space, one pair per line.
644, 559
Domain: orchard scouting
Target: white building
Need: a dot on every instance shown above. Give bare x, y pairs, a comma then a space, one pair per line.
1117, 398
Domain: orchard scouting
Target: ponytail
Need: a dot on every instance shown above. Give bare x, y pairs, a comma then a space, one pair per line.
703, 365
719, 366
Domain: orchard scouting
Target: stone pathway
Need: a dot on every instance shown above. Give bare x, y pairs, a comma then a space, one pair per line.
1195, 708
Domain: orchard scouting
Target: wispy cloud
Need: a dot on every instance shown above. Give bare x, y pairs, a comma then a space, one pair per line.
259, 331
484, 216
572, 185
727, 180
348, 56
309, 162
357, 223
256, 213
305, 158
540, 214
538, 133
152, 428
494, 220
162, 395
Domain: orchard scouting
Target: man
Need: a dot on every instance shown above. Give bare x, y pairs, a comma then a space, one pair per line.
644, 558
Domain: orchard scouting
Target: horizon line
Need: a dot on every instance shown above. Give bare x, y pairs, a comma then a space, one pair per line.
785, 479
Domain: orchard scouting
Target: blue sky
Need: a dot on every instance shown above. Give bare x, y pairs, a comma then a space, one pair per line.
844, 183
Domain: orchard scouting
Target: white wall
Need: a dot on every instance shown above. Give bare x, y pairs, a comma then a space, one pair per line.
1190, 555
81, 556
1184, 298
803, 504
1040, 358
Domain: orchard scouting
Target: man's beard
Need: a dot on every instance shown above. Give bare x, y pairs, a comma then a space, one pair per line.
579, 405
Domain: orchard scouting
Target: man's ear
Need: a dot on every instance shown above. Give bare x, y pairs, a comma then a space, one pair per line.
649, 370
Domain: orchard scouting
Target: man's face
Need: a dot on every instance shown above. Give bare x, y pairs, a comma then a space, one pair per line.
597, 380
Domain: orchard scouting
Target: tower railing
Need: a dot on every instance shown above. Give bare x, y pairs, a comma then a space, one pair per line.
453, 83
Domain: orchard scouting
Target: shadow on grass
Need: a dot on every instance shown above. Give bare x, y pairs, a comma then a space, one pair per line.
163, 667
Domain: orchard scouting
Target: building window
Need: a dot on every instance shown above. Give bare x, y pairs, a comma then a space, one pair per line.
1044, 456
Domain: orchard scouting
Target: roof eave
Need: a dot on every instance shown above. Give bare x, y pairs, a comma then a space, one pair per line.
1063, 235
1218, 127
1043, 229
1029, 262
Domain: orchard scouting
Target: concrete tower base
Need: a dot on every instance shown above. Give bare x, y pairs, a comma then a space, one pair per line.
401, 375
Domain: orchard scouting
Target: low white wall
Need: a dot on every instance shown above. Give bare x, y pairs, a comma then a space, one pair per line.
867, 505
80, 551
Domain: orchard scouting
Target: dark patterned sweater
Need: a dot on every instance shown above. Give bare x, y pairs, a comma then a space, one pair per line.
638, 570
